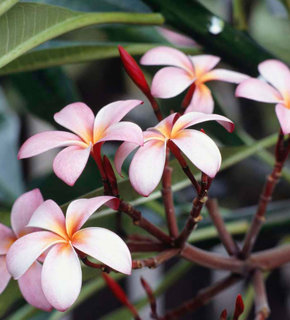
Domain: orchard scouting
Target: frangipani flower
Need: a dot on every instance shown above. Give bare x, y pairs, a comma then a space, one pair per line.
61, 275
148, 163
88, 130
29, 282
187, 71
278, 75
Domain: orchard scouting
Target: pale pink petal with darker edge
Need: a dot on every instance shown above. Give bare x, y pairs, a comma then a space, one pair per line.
61, 276
69, 164
192, 118
7, 237
49, 216
78, 118
105, 246
165, 125
224, 75
44, 141
30, 287
122, 153
258, 90
283, 115
79, 211
22, 210
201, 101
166, 56
170, 82
147, 167
200, 150
203, 63
27, 249
4, 274
278, 74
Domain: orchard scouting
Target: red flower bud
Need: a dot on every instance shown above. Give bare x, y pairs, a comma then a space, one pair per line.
239, 309
224, 315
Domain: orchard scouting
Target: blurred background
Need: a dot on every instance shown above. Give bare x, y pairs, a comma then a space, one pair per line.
28, 101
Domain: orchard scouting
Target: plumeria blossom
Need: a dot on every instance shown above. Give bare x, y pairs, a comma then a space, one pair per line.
29, 282
184, 72
88, 130
277, 74
61, 239
148, 163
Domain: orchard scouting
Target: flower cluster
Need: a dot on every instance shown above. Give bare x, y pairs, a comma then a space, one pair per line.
43, 248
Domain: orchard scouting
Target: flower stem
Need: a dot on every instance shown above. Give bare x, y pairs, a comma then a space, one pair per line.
261, 301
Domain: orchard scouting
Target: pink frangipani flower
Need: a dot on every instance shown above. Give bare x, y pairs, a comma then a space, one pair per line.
88, 131
278, 91
29, 282
61, 240
184, 72
148, 163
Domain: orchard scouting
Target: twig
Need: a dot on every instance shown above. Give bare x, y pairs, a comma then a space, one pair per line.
154, 262
261, 301
225, 237
187, 99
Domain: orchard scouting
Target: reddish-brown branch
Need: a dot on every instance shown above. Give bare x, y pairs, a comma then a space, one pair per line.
154, 262
203, 297
225, 237
168, 200
187, 99
151, 298
282, 151
262, 309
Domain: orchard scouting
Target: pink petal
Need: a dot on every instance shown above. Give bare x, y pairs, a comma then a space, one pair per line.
49, 216
147, 167
176, 38
78, 118
200, 150
27, 249
278, 74
192, 118
105, 246
4, 274
283, 115
122, 153
30, 287
112, 113
203, 63
47, 140
7, 237
69, 164
61, 277
258, 90
201, 101
123, 131
224, 75
166, 56
23, 209
79, 211
165, 126
170, 82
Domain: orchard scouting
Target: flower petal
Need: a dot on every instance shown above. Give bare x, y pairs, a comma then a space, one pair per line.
122, 153
147, 167
165, 126
112, 113
49, 216
166, 56
79, 211
7, 237
278, 74
123, 131
201, 101
105, 246
224, 75
258, 90
170, 81
61, 276
192, 118
4, 274
283, 115
200, 150
47, 140
69, 163
78, 118
23, 209
203, 63
27, 249
30, 287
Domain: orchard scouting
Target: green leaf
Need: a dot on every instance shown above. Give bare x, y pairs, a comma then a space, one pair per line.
5, 5
27, 25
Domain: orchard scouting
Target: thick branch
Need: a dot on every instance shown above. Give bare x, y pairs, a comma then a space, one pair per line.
261, 301
154, 262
